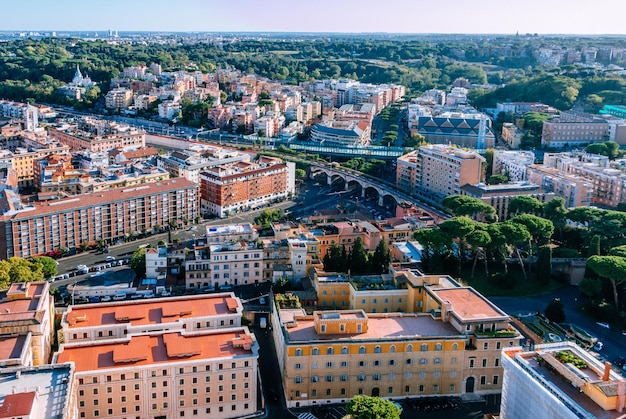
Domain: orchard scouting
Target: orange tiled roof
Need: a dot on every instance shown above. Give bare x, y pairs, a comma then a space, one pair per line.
16, 405
147, 312
11, 347
148, 350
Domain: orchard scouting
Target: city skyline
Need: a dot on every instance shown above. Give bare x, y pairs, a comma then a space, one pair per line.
324, 16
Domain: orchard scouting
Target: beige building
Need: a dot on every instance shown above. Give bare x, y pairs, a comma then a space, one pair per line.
446, 340
123, 137
574, 129
26, 324
119, 98
165, 358
499, 196
511, 134
436, 171
576, 191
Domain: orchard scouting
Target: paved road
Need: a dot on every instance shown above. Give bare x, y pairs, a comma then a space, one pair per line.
614, 341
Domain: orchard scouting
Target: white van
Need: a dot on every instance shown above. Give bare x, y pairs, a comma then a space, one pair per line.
119, 296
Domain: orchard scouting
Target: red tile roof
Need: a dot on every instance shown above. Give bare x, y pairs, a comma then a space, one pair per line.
147, 312
11, 347
148, 350
16, 405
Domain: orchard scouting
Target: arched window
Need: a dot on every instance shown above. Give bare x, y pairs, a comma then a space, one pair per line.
330, 351
315, 379
297, 379
344, 350
455, 346
377, 349
409, 348
298, 352
392, 349
315, 351
438, 347
362, 350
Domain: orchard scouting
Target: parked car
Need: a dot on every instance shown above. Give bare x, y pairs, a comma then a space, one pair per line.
105, 298
109, 258
119, 296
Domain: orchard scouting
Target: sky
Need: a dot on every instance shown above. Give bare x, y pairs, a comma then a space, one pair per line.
349, 16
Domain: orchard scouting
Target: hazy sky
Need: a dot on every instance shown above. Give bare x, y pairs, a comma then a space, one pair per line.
402, 16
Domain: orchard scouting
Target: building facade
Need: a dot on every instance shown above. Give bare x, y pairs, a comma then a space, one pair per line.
433, 337
108, 215
165, 358
435, 171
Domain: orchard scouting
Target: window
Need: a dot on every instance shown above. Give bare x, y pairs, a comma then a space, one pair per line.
297, 366
407, 375
329, 365
484, 362
471, 363
496, 362
361, 377
329, 378
362, 363
436, 374
453, 360
344, 350
315, 379
421, 388
409, 361
486, 345
344, 364
438, 347
483, 380
313, 393
391, 376
409, 348
376, 363
407, 389
498, 345
297, 380
328, 392
330, 351
390, 390
376, 377
424, 347
495, 380
298, 352
392, 349
315, 351
455, 347
377, 349
423, 361
362, 350
392, 362
435, 388
343, 377
437, 360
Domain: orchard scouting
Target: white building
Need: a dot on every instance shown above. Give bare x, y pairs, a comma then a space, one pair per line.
512, 163
235, 263
538, 385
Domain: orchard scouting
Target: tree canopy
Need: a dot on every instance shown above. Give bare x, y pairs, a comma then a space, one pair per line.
366, 407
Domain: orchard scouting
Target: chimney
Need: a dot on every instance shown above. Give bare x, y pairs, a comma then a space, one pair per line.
607, 371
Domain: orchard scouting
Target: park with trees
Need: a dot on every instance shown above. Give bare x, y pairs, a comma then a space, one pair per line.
514, 256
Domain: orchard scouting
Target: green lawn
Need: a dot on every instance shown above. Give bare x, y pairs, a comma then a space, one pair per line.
489, 287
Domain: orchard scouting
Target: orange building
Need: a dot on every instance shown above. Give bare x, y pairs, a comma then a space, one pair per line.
174, 357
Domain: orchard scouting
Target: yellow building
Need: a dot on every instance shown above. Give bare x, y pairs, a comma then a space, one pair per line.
401, 335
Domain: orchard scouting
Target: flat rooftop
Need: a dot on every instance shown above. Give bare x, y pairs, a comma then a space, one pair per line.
153, 311
468, 304
383, 327
47, 381
564, 385
157, 349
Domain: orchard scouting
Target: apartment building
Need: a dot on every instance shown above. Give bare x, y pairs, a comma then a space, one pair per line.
227, 189
608, 178
26, 324
24, 161
435, 171
119, 98
499, 196
447, 341
512, 163
42, 392
574, 129
111, 215
173, 357
123, 137
538, 384
189, 165
235, 263
512, 135
576, 191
